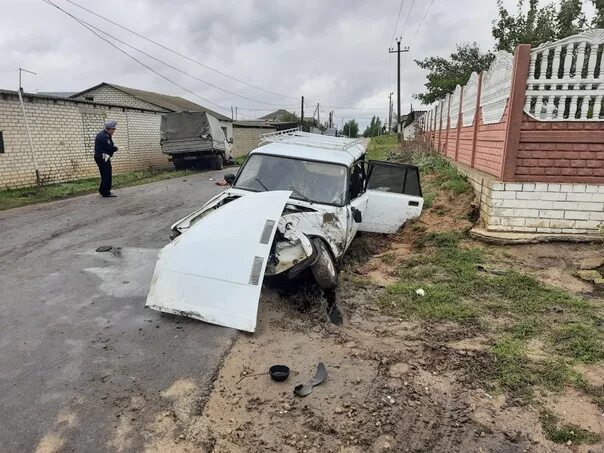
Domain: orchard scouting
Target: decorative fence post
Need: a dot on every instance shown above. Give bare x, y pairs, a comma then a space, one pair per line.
447, 123
454, 112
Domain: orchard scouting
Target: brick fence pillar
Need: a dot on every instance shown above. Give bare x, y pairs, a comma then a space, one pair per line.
515, 111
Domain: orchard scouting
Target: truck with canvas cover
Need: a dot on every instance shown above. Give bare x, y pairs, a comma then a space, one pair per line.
193, 138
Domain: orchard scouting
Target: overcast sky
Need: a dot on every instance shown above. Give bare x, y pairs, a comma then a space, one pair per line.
334, 52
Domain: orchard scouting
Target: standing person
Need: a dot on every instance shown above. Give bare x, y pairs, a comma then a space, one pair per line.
103, 151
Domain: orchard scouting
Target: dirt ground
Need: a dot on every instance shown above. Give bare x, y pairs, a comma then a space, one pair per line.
393, 384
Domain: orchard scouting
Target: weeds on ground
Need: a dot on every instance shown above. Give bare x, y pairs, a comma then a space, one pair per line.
457, 288
566, 432
32, 195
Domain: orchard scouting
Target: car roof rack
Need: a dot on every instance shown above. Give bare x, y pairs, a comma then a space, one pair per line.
295, 136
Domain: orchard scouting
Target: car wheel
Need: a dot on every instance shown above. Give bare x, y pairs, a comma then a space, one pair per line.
324, 270
219, 162
179, 163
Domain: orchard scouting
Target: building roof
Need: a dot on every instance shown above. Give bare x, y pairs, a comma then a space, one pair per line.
279, 125
167, 102
278, 115
46, 97
56, 94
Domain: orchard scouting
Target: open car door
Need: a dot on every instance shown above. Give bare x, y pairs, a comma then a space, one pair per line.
214, 270
394, 195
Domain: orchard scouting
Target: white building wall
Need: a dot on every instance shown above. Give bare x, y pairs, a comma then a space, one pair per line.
63, 137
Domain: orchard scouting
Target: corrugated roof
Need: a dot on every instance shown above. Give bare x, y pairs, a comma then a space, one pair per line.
172, 103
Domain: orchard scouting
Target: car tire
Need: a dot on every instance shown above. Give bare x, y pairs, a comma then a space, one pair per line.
324, 270
179, 163
218, 162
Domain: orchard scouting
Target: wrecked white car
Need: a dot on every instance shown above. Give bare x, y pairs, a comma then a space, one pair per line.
296, 203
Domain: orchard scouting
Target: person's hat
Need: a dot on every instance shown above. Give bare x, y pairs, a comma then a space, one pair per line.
110, 124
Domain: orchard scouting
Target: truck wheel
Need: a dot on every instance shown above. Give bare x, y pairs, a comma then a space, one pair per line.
179, 163
324, 270
219, 162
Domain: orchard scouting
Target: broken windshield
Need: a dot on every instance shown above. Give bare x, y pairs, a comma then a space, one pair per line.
318, 182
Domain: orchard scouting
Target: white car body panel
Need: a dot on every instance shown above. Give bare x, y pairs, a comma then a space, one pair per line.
386, 212
214, 270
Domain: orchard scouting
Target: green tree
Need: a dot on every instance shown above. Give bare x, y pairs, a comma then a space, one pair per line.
598, 20
374, 127
570, 18
445, 74
351, 129
540, 24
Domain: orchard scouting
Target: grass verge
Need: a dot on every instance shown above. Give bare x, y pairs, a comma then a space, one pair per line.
32, 195
381, 147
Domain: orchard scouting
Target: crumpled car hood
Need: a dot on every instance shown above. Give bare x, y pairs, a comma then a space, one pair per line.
214, 271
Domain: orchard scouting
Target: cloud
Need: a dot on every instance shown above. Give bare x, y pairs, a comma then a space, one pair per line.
334, 53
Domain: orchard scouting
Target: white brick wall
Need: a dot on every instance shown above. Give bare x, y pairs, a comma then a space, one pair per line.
538, 207
63, 136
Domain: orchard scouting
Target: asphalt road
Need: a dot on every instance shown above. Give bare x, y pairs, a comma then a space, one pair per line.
77, 345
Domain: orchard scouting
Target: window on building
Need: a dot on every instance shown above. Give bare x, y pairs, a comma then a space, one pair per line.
1, 143
89, 98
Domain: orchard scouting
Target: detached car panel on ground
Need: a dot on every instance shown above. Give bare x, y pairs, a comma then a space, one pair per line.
214, 272
307, 195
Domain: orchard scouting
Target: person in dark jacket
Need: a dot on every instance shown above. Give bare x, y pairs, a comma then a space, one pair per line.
103, 151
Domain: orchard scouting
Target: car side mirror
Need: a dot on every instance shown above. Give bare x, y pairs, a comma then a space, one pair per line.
230, 140
230, 178
357, 216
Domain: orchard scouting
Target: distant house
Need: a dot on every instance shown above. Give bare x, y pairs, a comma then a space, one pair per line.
412, 123
109, 93
278, 116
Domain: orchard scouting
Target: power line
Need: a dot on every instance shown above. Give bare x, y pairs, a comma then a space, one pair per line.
398, 16
92, 29
178, 53
134, 58
421, 22
407, 18
83, 22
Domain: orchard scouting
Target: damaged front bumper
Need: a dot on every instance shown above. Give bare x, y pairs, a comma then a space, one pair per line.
292, 251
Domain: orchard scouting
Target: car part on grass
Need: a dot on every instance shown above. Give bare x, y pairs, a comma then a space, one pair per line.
104, 248
306, 389
279, 373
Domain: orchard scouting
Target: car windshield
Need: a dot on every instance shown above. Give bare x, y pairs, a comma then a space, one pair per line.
318, 182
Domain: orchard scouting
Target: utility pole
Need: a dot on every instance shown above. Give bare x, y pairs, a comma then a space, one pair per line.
390, 112
318, 115
235, 112
302, 114
398, 83
232, 116
31, 143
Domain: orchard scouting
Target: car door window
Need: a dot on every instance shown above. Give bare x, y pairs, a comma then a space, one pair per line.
395, 178
357, 180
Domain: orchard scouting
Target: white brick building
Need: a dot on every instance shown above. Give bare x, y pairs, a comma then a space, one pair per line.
63, 131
